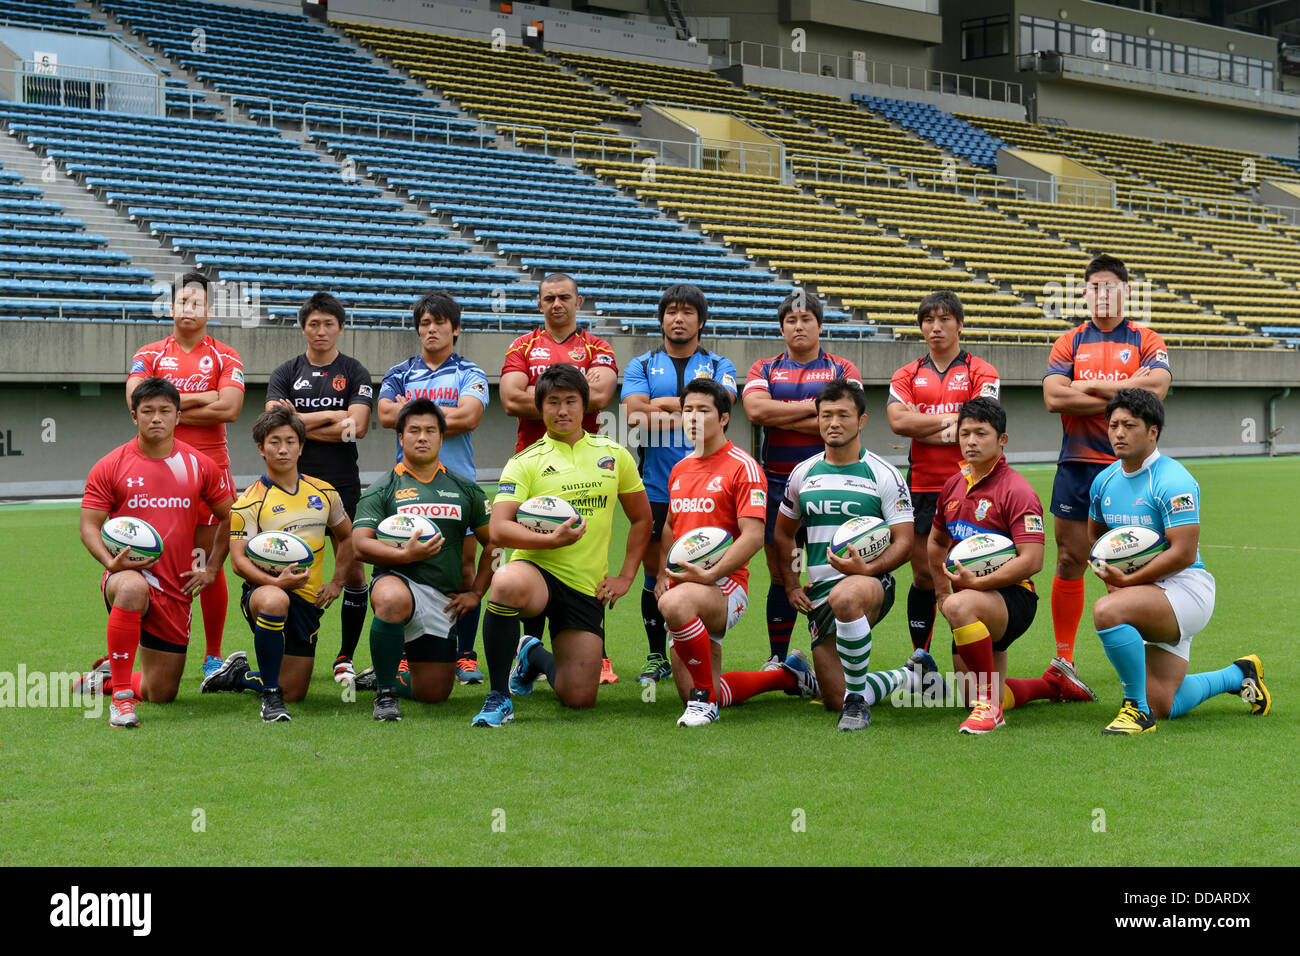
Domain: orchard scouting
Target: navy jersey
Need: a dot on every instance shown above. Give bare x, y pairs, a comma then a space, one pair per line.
324, 388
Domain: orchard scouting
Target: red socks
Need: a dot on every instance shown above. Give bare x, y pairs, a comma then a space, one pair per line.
691, 642
214, 599
1021, 690
738, 686
1067, 612
123, 639
975, 647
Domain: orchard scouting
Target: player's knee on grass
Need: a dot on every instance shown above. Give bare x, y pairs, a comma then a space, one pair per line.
432, 682
295, 677
391, 600
830, 675
160, 677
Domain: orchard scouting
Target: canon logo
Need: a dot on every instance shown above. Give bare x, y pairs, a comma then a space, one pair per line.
692, 505
144, 501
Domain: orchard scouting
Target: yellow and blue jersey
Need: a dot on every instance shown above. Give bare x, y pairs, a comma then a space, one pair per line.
306, 511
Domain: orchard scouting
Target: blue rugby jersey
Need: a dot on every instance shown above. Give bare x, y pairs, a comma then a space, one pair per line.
1161, 494
445, 386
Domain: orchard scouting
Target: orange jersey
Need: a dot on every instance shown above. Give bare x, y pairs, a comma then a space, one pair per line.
717, 491
536, 351
210, 367
1087, 353
933, 392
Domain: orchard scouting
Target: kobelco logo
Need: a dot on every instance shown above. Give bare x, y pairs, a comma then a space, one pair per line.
144, 501
692, 506
436, 510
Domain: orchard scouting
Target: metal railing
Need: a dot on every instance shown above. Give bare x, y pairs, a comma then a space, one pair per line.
1237, 210
84, 87
717, 155
862, 70
1177, 82
199, 104
421, 127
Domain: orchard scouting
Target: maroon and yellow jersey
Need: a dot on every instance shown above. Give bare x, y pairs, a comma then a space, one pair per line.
1002, 502
1088, 354
920, 383
536, 351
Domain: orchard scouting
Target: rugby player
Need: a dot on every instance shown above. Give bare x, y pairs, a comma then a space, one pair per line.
417, 591
652, 389
332, 394
924, 396
558, 339
460, 389
1087, 366
988, 613
169, 484
210, 378
563, 575
283, 610
716, 485
1148, 618
779, 395
846, 597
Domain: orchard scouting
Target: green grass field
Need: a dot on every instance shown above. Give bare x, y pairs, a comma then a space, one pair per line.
770, 783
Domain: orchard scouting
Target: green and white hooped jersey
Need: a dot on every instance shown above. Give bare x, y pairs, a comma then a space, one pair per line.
824, 496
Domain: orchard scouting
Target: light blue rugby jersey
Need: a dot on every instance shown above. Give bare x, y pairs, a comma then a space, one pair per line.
444, 385
1161, 494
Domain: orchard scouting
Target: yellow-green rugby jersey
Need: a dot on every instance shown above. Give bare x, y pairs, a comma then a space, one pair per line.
305, 511
590, 476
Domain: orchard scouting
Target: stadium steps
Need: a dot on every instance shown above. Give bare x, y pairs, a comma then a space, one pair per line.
122, 234
161, 59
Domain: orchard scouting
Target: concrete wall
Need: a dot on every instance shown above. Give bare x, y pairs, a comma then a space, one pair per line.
62, 405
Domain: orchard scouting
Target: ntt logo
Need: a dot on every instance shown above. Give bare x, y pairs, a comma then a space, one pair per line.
144, 501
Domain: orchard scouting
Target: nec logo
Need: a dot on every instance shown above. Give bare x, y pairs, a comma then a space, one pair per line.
831, 507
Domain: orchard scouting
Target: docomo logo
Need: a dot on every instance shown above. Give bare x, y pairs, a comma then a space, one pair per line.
692, 506
452, 512
144, 501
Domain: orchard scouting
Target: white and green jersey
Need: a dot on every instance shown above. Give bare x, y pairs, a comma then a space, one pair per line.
824, 496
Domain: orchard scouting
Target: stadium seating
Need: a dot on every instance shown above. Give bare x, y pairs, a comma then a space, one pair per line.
41, 14
937, 125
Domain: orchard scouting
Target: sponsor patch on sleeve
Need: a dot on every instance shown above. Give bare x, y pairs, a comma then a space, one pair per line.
989, 390
1162, 356
138, 366
903, 504
1182, 503
237, 376
728, 381
506, 488
757, 498
365, 391
478, 387
604, 359
1033, 524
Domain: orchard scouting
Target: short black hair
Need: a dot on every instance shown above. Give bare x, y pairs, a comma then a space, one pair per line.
278, 417
439, 305
838, 388
800, 300
155, 387
984, 410
192, 278
683, 293
557, 277
1106, 263
322, 302
421, 406
712, 387
561, 376
1141, 403
945, 300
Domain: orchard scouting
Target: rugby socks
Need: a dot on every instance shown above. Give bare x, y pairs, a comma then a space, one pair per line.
403, 686
737, 686
1196, 689
780, 620
123, 639
214, 600
975, 648
883, 683
1021, 690
1123, 646
1067, 612
920, 615
691, 641
853, 644
500, 641
353, 618
387, 643
540, 659
656, 634
467, 631
268, 644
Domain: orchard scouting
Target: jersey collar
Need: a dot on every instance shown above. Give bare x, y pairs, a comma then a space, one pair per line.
961, 358
1146, 464
821, 354
266, 480
401, 469
969, 473
555, 442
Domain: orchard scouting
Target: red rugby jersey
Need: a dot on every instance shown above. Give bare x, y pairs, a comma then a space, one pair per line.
1089, 354
210, 367
536, 351
920, 383
717, 490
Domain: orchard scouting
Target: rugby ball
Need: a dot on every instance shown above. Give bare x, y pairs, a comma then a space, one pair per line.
867, 535
273, 550
397, 529
133, 533
981, 553
1127, 547
544, 513
703, 546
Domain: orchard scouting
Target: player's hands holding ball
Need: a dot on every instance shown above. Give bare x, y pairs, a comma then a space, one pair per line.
293, 577
568, 532
1110, 575
692, 574
416, 550
851, 563
963, 578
